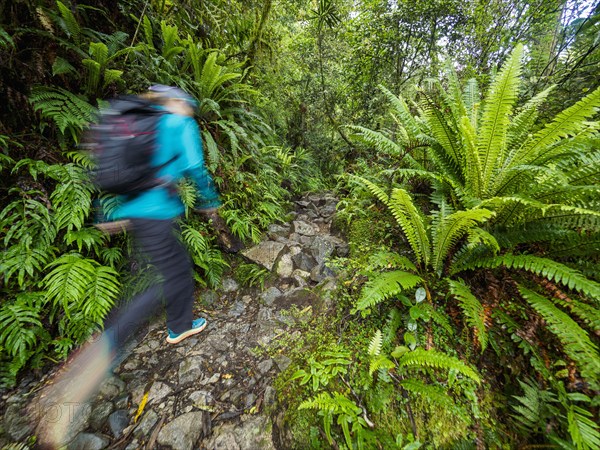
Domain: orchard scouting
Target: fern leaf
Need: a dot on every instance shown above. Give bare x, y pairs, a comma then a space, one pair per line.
472, 309
566, 123
434, 394
20, 325
385, 286
442, 132
575, 340
584, 431
378, 140
412, 223
380, 362
495, 121
432, 358
376, 344
547, 268
401, 109
451, 229
471, 99
69, 23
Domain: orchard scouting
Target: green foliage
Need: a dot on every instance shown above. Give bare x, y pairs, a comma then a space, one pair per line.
252, 275
70, 113
472, 309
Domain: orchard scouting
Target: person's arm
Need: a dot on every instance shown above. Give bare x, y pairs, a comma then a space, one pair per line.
194, 167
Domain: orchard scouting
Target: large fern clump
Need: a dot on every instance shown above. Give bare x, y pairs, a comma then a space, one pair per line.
508, 199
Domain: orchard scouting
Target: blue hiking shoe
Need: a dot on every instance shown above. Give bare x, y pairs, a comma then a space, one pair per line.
197, 326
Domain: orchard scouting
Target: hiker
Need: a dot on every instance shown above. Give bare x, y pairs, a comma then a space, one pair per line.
151, 215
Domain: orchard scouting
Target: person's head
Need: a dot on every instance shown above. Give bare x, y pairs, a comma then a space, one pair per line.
174, 99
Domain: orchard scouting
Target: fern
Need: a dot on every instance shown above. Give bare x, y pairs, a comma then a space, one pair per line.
21, 325
566, 123
81, 285
472, 309
575, 340
451, 228
69, 23
419, 358
385, 286
431, 393
547, 268
70, 113
535, 407
495, 119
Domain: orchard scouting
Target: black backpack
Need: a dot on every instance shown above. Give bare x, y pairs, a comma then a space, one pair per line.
123, 143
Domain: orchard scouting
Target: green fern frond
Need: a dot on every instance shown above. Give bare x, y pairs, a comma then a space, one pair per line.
376, 344
81, 285
534, 407
170, 38
472, 309
376, 139
495, 120
545, 267
472, 99
575, 340
434, 394
385, 286
148, 32
584, 431
451, 228
523, 122
442, 132
213, 156
69, 23
586, 313
20, 325
390, 260
403, 112
420, 358
68, 111
72, 198
380, 362
412, 223
567, 123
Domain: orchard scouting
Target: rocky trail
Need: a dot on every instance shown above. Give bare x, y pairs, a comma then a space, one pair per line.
214, 390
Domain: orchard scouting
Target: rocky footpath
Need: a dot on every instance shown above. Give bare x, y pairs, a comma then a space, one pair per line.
214, 390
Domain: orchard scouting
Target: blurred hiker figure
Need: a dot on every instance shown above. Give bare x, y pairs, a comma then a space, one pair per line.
149, 211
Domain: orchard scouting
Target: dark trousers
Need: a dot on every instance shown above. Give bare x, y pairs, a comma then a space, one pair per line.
158, 242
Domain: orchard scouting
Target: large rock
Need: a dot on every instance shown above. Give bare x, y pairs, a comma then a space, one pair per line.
322, 248
117, 422
266, 253
304, 228
304, 262
270, 295
253, 433
183, 432
276, 230
16, 423
89, 441
285, 266
190, 369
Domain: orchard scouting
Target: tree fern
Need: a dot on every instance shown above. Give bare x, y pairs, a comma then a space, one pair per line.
472, 309
420, 358
575, 340
384, 286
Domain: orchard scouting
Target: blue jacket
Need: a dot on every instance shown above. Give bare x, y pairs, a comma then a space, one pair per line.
176, 136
